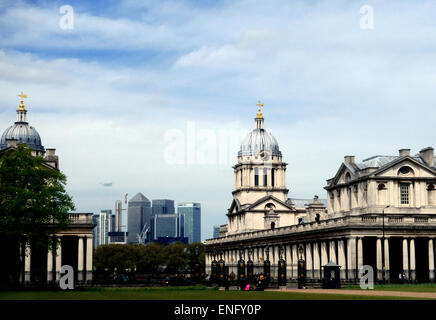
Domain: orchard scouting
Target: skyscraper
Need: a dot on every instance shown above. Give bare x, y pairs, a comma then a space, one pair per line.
118, 215
105, 224
216, 232
138, 217
163, 206
165, 225
191, 212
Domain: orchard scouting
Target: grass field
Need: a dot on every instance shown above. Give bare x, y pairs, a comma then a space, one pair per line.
421, 287
176, 293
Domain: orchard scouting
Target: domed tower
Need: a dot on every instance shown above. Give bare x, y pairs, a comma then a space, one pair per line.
22, 132
260, 194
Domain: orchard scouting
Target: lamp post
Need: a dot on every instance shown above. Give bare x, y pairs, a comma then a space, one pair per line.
383, 244
301, 268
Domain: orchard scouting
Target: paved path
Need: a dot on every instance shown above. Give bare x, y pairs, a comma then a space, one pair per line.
431, 295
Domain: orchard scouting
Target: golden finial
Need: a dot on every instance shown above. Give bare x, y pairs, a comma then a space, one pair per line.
259, 112
22, 96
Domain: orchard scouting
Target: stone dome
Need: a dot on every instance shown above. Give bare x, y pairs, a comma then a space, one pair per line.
23, 133
259, 140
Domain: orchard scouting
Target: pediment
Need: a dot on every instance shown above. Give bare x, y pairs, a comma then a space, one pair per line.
344, 174
416, 169
270, 202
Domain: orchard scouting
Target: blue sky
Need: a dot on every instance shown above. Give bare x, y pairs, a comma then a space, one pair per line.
111, 92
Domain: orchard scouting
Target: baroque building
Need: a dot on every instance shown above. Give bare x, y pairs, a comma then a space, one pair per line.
380, 212
75, 247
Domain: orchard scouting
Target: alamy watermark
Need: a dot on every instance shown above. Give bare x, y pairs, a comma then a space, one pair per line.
366, 274
66, 22
367, 20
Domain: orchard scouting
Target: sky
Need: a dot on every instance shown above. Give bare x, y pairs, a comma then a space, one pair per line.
156, 96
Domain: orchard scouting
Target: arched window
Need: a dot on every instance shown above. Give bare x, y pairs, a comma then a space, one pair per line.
273, 225
347, 177
317, 217
256, 177
265, 177
382, 194
272, 176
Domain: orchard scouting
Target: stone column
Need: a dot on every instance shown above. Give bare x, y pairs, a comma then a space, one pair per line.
405, 258
309, 263
316, 261
58, 260
412, 260
332, 251
351, 258
430, 259
387, 264
294, 261
80, 260
89, 252
359, 253
27, 266
49, 265
288, 261
324, 256
341, 258
379, 259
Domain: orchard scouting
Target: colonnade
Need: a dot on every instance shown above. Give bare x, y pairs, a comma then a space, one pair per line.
348, 252
54, 260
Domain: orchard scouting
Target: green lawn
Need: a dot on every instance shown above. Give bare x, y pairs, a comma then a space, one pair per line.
174, 294
421, 287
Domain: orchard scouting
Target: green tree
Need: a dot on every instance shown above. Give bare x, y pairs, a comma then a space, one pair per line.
176, 257
33, 206
149, 257
115, 256
196, 253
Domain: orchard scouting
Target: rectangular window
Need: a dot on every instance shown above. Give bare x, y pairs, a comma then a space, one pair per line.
256, 177
404, 193
265, 175
272, 177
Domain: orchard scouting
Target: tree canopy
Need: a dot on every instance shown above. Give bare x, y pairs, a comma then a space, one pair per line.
33, 200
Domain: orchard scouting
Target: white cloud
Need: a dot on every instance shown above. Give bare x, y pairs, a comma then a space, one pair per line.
329, 89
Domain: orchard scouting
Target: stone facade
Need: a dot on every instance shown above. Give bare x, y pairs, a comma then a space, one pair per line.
381, 212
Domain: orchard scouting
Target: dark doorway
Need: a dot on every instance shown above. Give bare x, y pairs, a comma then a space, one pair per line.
38, 261
273, 225
395, 258
421, 254
370, 253
70, 245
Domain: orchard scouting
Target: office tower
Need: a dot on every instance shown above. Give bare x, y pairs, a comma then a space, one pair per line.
118, 215
138, 218
165, 225
216, 232
163, 206
105, 224
95, 230
191, 212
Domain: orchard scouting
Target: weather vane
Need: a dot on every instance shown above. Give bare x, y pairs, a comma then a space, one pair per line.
259, 112
22, 96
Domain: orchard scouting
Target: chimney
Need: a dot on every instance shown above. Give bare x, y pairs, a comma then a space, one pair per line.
11, 142
427, 154
50, 152
404, 152
349, 159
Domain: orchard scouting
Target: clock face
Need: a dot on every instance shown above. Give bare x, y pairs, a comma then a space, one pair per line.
264, 155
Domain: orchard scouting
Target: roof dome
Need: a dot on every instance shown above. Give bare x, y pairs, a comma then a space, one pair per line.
259, 140
21, 131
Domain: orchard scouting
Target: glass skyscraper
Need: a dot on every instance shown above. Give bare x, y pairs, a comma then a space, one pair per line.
191, 213
162, 206
138, 218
